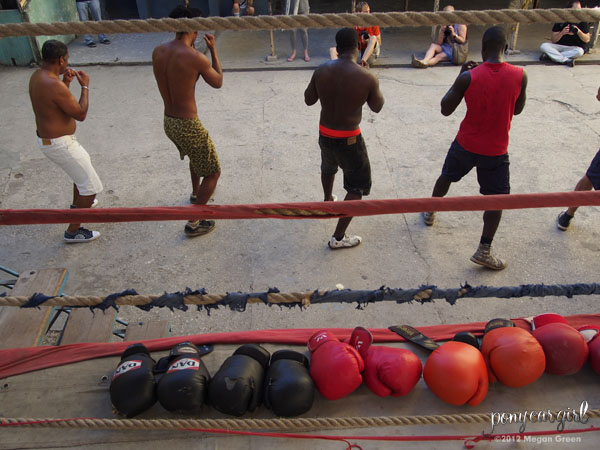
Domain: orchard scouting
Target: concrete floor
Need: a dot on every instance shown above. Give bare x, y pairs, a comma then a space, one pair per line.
267, 142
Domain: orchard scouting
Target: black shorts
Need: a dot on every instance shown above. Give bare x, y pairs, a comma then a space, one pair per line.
351, 155
593, 172
492, 171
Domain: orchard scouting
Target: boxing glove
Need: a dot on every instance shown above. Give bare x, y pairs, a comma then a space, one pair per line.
133, 386
456, 373
513, 356
388, 371
335, 367
565, 348
184, 386
237, 386
591, 333
289, 389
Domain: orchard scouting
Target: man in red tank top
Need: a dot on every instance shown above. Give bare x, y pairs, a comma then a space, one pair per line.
493, 91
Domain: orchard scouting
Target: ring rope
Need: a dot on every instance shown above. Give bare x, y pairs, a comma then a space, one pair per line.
301, 210
254, 23
299, 424
238, 301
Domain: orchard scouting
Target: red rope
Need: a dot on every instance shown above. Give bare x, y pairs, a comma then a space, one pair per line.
469, 440
334, 209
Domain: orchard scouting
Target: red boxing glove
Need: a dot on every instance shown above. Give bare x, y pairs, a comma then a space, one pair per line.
565, 348
335, 367
513, 356
591, 333
388, 371
456, 373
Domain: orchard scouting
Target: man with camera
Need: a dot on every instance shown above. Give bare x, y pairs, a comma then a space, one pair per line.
441, 49
569, 40
369, 40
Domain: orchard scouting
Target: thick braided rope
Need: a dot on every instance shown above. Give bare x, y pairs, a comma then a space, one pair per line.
297, 424
390, 19
273, 297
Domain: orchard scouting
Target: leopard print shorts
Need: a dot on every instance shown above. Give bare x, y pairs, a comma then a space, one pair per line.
192, 139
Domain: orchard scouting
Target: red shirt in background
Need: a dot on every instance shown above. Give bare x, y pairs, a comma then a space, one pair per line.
371, 31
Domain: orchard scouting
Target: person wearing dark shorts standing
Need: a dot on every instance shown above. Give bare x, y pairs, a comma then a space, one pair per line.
343, 87
591, 180
493, 91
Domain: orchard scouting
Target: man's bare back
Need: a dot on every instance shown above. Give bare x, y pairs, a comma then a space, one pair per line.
177, 67
343, 87
54, 106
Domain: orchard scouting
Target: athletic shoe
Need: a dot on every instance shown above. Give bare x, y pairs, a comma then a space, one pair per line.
81, 235
105, 41
544, 57
94, 204
483, 256
563, 221
199, 227
428, 218
90, 44
345, 242
570, 62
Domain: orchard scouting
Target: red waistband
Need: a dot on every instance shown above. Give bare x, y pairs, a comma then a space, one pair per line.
328, 132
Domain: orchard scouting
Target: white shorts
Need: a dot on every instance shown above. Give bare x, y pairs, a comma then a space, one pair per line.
70, 156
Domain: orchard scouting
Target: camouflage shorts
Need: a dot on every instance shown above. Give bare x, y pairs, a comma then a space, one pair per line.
192, 139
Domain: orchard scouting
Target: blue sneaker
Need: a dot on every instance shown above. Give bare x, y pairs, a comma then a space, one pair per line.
81, 235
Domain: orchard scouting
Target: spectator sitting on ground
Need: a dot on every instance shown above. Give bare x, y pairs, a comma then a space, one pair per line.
243, 8
369, 40
441, 49
569, 40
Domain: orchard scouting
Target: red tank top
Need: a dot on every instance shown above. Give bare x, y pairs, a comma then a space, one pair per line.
490, 99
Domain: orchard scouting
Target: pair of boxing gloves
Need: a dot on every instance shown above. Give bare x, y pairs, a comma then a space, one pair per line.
339, 368
458, 373
242, 382
515, 360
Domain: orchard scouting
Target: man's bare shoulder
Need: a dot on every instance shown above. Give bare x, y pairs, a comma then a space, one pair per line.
47, 84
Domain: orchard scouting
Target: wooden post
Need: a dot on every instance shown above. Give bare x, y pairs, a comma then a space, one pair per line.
514, 28
593, 47
272, 56
436, 8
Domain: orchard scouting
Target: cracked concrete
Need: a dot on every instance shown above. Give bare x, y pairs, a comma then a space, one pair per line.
267, 142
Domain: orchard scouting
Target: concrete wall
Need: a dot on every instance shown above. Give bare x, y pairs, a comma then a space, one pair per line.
14, 50
161, 8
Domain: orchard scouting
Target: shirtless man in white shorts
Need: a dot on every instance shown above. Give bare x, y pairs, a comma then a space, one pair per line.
56, 111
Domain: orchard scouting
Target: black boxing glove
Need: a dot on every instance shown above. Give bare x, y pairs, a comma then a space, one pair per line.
183, 388
237, 386
133, 386
289, 389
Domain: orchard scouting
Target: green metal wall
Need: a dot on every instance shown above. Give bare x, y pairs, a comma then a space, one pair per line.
52, 11
14, 50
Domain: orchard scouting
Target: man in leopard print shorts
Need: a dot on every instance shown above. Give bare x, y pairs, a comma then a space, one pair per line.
177, 67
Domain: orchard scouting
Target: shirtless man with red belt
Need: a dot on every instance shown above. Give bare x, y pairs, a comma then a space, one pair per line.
343, 87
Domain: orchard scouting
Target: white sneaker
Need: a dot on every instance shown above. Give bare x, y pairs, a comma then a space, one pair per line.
94, 204
345, 242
